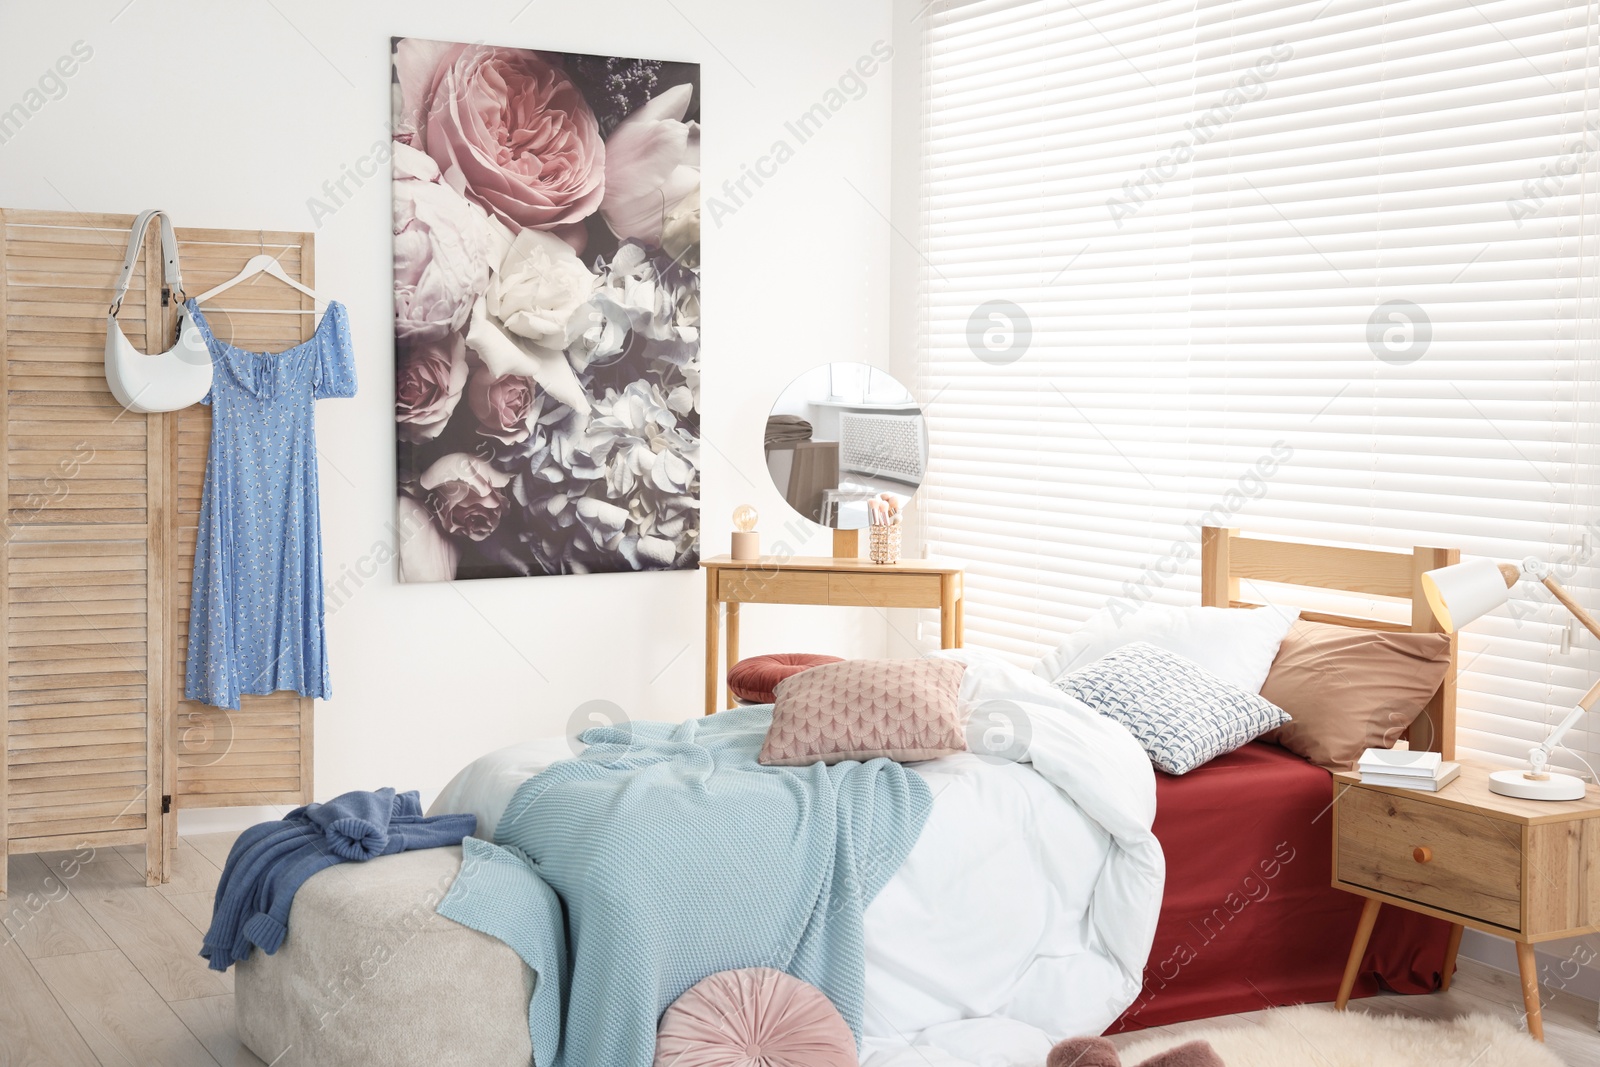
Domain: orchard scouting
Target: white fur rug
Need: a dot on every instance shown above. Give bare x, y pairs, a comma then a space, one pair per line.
1318, 1037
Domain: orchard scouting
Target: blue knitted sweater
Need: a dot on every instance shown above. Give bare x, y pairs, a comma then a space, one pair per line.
272, 860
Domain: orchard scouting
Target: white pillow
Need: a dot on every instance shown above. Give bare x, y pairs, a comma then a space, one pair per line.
1182, 715
485, 786
1237, 645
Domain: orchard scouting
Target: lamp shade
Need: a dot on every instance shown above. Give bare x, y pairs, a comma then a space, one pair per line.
1462, 592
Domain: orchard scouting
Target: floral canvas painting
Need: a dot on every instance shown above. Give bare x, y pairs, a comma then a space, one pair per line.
547, 311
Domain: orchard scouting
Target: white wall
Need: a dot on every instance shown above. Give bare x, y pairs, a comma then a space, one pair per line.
908, 627
234, 115
905, 193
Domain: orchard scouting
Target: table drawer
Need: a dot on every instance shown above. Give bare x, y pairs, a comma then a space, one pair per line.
1442, 857
865, 589
755, 585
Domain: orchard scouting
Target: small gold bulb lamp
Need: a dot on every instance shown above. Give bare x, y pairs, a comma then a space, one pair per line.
746, 541
1461, 593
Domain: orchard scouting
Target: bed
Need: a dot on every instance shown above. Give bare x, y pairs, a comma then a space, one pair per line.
1256, 923
1033, 899
1031, 893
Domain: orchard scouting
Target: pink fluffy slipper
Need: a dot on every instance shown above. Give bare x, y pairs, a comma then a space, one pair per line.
1098, 1052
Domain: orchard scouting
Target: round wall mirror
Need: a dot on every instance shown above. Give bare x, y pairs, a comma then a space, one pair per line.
841, 434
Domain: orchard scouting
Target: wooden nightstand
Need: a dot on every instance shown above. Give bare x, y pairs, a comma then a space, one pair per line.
1523, 869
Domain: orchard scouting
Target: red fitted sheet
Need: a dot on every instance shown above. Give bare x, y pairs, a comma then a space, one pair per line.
1248, 919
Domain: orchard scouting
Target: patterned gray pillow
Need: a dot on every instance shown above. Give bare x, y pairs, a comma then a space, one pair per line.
1182, 715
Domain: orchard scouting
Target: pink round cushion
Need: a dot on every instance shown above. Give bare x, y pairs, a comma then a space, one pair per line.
753, 680
756, 1017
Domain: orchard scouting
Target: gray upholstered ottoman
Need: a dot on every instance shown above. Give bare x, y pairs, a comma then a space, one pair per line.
370, 973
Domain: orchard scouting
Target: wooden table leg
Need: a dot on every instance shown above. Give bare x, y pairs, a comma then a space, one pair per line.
733, 644
947, 612
961, 618
1358, 950
1529, 967
713, 639
1451, 948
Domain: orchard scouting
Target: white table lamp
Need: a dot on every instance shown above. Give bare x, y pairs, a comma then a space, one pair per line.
1461, 593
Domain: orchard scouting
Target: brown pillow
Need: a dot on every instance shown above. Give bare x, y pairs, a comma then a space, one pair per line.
905, 709
1350, 690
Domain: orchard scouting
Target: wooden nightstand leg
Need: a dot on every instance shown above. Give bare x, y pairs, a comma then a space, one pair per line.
1448, 971
1529, 966
1358, 949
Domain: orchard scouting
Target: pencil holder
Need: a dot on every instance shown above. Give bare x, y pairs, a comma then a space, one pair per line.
883, 543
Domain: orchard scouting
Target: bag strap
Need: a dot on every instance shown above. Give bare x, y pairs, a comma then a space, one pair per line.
169, 256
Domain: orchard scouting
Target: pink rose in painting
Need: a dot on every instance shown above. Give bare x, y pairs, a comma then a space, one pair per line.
503, 406
442, 248
416, 62
429, 378
652, 166
464, 493
508, 130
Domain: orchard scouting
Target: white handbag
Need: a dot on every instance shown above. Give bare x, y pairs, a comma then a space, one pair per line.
160, 381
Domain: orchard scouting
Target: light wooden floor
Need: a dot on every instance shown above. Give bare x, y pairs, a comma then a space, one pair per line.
96, 968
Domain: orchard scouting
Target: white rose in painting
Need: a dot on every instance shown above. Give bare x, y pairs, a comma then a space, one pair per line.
539, 288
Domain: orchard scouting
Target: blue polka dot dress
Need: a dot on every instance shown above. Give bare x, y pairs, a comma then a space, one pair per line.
255, 616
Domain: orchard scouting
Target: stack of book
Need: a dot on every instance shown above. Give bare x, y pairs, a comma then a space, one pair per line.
1427, 771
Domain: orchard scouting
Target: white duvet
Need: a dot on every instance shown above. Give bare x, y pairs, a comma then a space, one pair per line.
1025, 911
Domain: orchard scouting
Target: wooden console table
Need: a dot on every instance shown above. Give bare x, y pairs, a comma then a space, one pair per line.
822, 580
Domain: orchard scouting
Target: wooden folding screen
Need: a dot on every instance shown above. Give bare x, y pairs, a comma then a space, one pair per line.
97, 549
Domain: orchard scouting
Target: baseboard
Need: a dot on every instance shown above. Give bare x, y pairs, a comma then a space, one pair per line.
193, 821
1560, 962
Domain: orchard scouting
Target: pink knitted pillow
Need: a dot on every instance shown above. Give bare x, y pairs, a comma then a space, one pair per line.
905, 709
756, 1017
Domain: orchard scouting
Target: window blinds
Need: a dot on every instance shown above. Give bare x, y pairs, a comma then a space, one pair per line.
1320, 270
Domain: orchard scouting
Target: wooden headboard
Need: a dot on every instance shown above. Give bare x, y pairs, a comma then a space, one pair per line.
1226, 557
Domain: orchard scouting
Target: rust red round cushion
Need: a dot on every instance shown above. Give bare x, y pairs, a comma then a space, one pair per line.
757, 1017
755, 678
